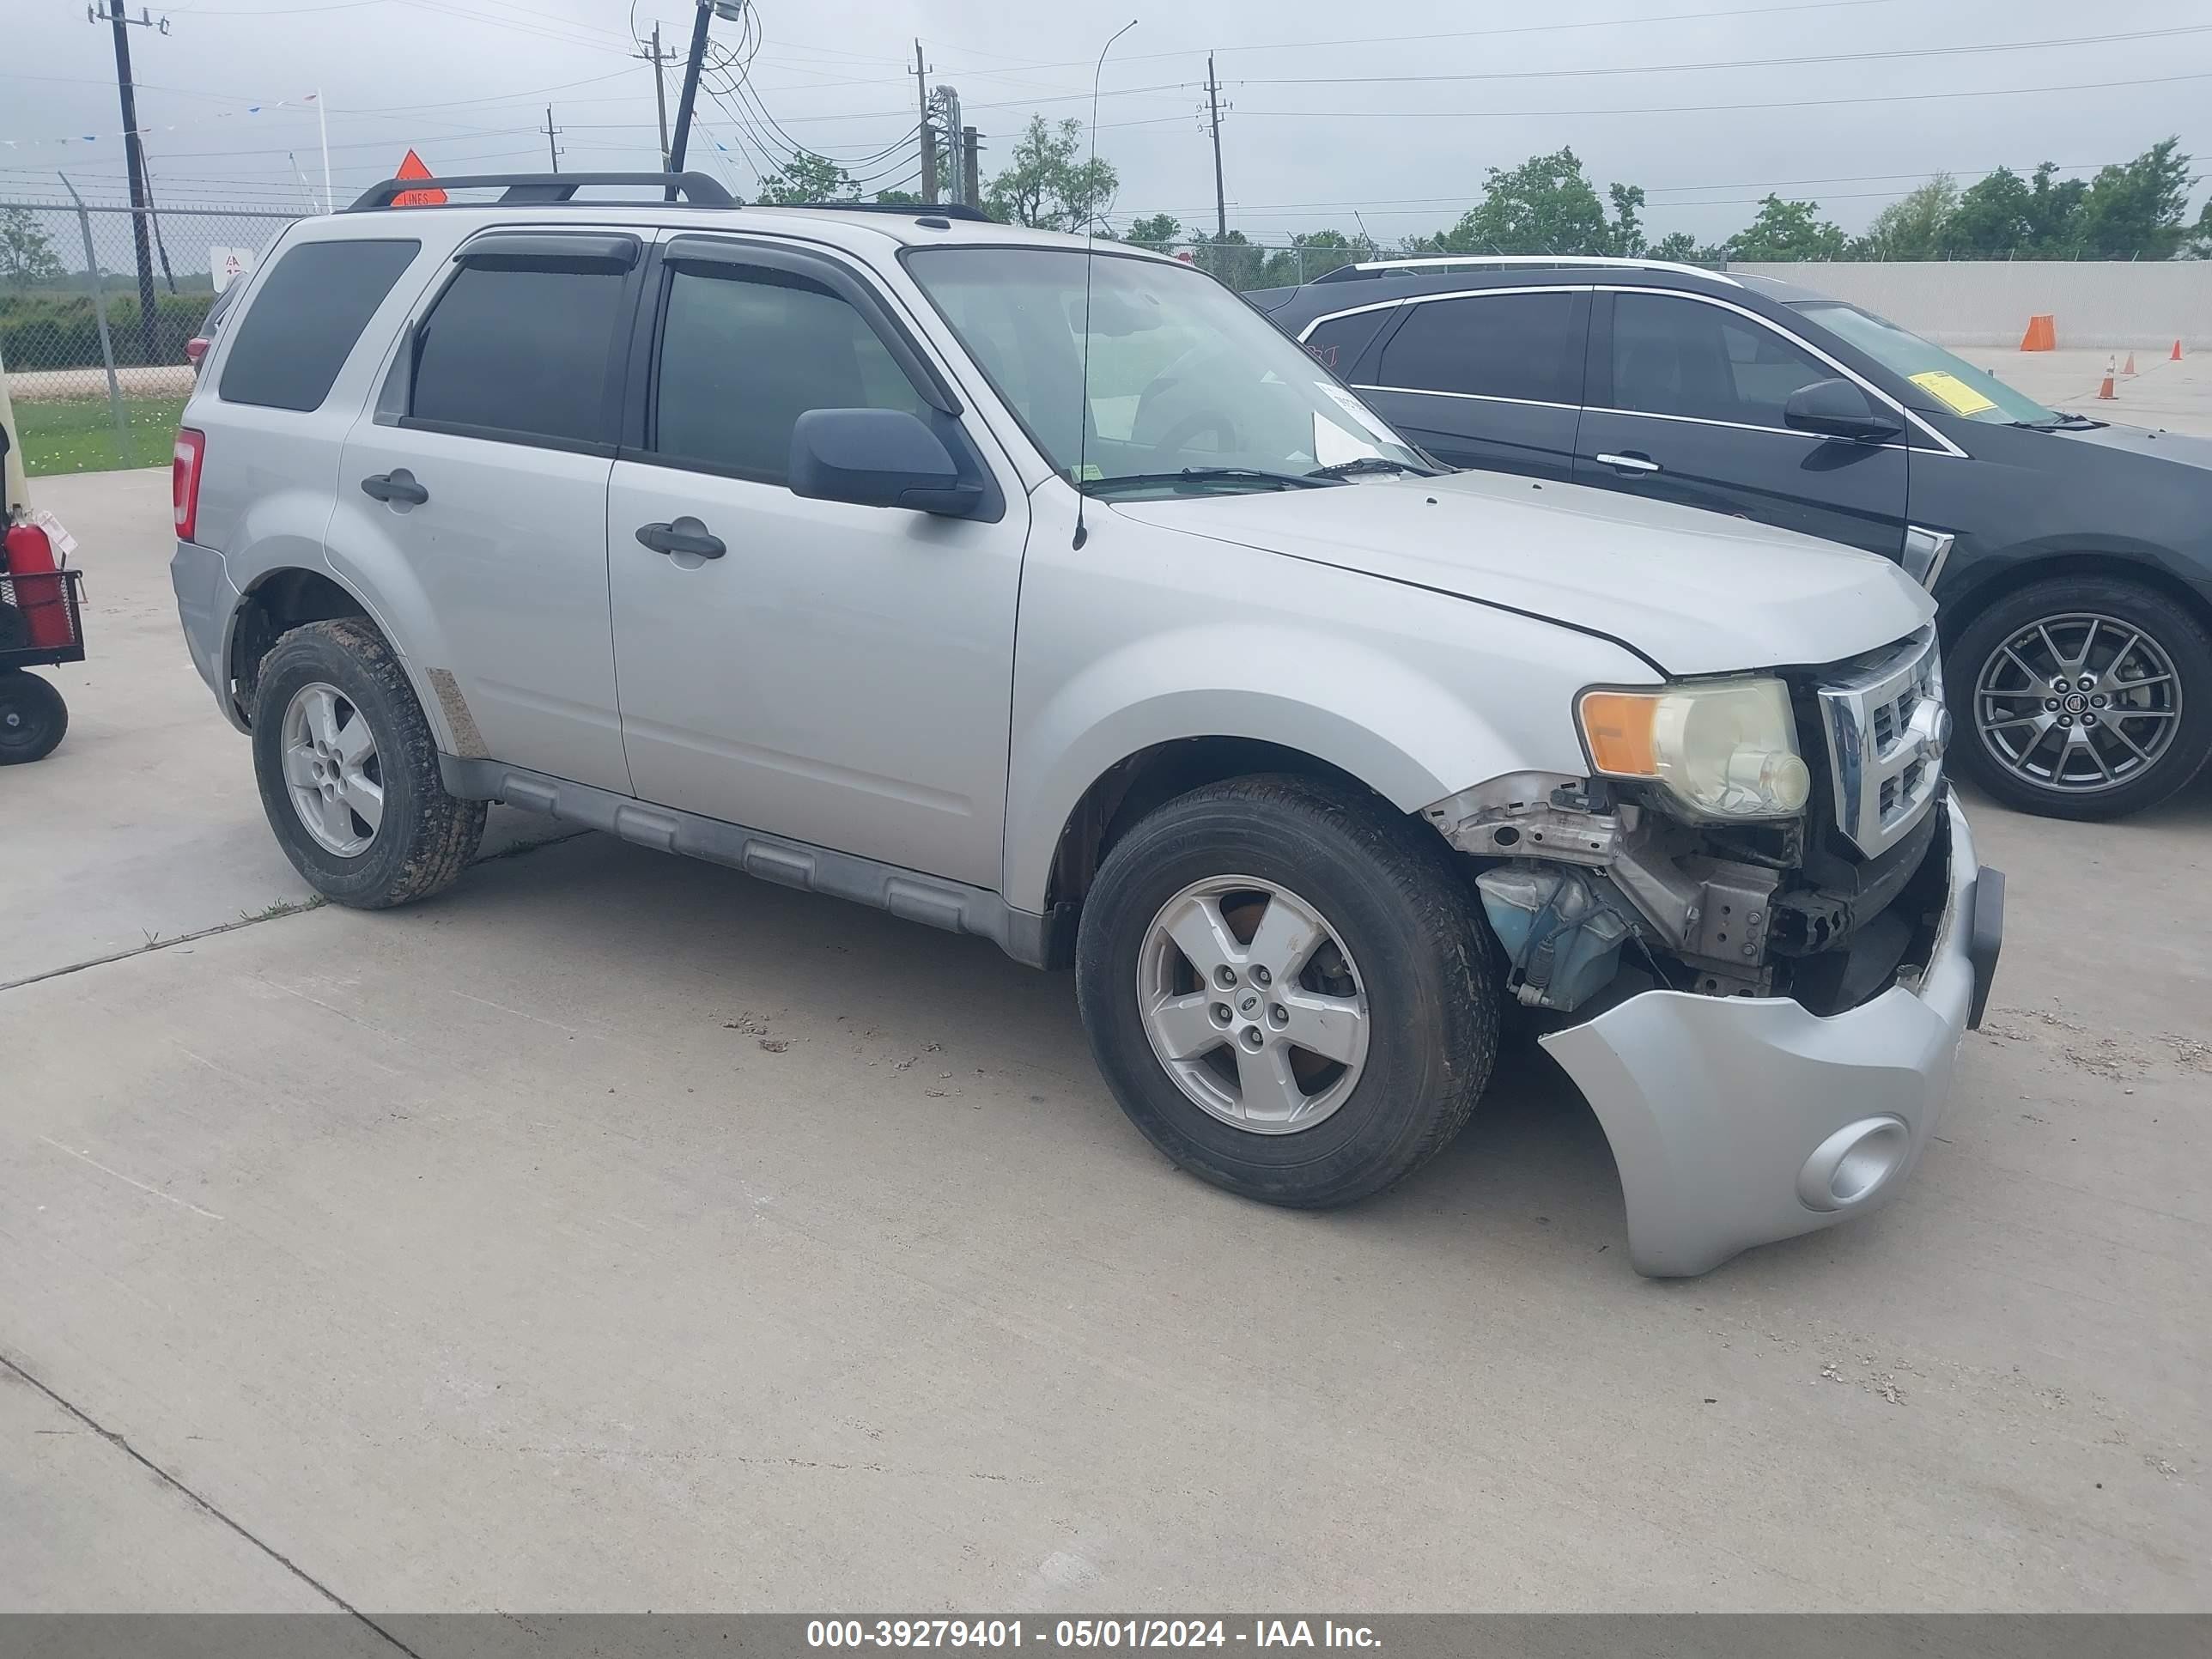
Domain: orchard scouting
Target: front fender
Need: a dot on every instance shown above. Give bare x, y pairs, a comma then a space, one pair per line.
1145, 636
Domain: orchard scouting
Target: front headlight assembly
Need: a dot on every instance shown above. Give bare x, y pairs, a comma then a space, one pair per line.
1723, 749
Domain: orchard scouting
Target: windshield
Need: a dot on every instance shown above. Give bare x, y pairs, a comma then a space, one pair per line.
1189, 386
1952, 383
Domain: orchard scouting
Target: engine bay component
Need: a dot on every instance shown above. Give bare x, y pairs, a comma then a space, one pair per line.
1562, 935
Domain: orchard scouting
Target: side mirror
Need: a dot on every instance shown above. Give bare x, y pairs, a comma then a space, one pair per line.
877, 457
1837, 408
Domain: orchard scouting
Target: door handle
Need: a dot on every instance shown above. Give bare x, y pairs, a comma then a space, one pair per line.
1631, 463
396, 485
684, 535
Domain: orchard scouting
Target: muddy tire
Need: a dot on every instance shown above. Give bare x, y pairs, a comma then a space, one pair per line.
1289, 988
348, 770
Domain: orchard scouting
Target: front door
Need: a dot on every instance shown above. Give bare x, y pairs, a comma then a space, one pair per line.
475, 496
1687, 406
840, 675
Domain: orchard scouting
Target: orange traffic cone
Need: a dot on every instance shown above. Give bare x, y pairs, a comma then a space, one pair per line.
2129, 367
2176, 353
2042, 334
2105, 392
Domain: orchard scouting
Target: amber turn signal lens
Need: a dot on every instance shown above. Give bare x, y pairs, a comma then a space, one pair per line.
1619, 725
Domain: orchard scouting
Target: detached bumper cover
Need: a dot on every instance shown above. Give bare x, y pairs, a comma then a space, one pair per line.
1737, 1121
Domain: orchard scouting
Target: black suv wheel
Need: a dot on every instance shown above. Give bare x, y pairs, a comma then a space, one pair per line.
2081, 697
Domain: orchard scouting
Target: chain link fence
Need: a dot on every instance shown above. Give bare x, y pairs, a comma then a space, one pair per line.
97, 303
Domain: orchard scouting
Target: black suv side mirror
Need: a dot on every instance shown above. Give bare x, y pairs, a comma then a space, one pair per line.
878, 458
1837, 408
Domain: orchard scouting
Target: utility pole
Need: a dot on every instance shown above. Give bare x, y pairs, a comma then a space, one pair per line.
928, 129
551, 133
1213, 116
970, 185
945, 100
134, 156
659, 88
689, 95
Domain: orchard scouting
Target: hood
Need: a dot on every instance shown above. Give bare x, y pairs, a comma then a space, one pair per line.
1696, 593
2157, 443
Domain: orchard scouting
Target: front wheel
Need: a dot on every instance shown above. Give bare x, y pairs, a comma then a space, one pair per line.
2081, 697
1289, 988
32, 718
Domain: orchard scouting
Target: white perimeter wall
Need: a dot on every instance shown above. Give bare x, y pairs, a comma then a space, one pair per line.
2097, 303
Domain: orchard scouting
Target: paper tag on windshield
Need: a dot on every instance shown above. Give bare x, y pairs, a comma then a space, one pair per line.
1955, 393
1359, 411
1334, 446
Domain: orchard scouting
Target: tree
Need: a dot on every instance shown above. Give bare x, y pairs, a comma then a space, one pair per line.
900, 198
1231, 258
807, 178
1160, 231
26, 253
1788, 230
1685, 249
1912, 227
1045, 187
2200, 242
2134, 211
1314, 253
2003, 215
1545, 206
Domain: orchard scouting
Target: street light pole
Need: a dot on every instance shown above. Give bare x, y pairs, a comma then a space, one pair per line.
680, 140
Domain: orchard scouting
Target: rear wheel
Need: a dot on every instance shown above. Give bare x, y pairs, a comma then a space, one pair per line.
32, 718
1289, 988
348, 771
2082, 697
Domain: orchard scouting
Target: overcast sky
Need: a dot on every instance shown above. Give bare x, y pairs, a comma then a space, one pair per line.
1321, 123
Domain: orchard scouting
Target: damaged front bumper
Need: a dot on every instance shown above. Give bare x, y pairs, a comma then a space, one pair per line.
1738, 1120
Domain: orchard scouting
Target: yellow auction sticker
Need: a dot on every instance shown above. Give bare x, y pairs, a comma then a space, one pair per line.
1955, 393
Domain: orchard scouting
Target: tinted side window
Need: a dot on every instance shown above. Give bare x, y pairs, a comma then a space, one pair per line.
302, 324
1674, 356
521, 350
1338, 342
1504, 345
743, 356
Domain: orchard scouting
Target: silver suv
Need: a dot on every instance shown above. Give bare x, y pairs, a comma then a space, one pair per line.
1048, 594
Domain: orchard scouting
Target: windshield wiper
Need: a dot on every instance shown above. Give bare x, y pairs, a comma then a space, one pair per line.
1369, 464
1207, 475
2060, 422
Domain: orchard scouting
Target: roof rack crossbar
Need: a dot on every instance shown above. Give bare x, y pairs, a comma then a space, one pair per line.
1438, 262
698, 189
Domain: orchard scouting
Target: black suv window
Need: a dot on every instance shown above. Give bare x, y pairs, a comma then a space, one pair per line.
744, 354
1499, 345
1341, 341
303, 322
1676, 356
519, 351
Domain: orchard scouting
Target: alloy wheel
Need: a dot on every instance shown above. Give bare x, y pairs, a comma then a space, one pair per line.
1253, 1005
2078, 703
331, 771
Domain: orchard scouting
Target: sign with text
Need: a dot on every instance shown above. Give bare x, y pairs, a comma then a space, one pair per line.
227, 264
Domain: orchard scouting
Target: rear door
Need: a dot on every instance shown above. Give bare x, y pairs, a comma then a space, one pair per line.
1686, 405
475, 491
1490, 379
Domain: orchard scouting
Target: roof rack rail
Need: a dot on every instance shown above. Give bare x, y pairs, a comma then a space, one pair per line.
911, 210
1438, 262
698, 189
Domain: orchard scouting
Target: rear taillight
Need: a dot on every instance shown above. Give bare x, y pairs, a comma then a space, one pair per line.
196, 348
185, 481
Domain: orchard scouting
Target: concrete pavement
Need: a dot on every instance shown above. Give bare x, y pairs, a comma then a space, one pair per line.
614, 1232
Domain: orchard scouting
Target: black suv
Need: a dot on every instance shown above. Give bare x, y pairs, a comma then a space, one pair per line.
2072, 557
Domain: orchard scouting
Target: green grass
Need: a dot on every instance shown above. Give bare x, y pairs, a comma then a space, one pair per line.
79, 436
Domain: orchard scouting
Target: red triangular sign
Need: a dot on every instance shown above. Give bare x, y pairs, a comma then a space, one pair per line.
412, 167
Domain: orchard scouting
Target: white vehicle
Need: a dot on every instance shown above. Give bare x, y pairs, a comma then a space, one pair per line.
1048, 594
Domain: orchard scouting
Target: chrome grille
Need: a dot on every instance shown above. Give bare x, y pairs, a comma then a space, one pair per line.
1885, 726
